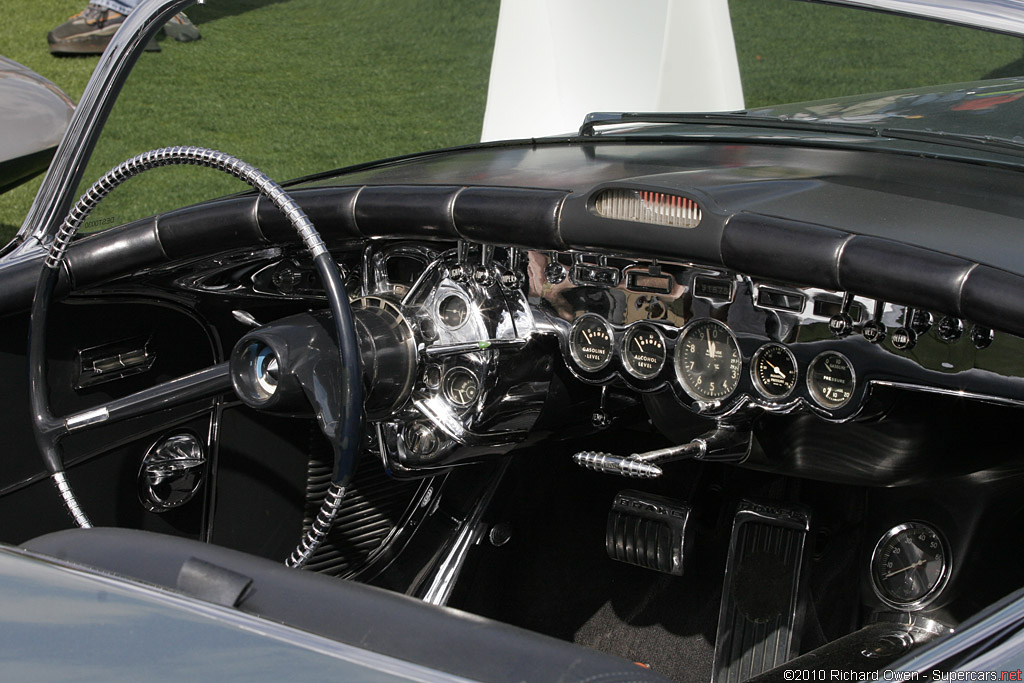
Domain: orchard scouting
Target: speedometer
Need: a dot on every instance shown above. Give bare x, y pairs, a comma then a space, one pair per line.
708, 360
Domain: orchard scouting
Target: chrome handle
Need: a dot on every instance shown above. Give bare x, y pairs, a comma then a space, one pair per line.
616, 464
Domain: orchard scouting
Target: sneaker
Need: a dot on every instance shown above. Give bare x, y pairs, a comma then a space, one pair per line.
181, 29
88, 32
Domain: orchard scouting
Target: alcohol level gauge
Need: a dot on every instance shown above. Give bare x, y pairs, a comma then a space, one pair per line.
643, 351
774, 371
831, 380
590, 342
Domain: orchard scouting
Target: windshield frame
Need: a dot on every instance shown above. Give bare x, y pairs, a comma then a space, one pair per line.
56, 194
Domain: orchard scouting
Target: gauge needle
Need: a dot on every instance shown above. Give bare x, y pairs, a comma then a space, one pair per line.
586, 336
711, 349
776, 370
908, 567
639, 345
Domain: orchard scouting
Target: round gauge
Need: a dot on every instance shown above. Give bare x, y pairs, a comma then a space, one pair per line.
590, 342
453, 311
910, 565
708, 360
461, 387
773, 369
830, 380
643, 351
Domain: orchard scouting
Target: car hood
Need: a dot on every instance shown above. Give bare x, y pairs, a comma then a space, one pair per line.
33, 110
992, 108
1003, 16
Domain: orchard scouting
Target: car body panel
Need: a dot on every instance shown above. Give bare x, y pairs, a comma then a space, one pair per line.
34, 114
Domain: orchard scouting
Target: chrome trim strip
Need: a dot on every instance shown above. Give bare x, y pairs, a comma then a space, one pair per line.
57, 191
957, 393
86, 419
447, 573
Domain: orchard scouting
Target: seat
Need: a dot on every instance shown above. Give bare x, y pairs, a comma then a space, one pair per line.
387, 623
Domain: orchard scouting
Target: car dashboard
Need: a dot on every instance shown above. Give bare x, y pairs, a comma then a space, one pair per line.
689, 319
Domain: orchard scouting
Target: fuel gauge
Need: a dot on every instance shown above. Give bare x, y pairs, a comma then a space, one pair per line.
590, 342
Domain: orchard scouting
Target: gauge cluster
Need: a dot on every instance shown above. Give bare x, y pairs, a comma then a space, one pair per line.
708, 363
720, 340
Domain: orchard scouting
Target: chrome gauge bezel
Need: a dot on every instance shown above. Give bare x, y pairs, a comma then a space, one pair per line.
439, 305
681, 376
812, 388
449, 379
756, 380
625, 354
932, 593
573, 352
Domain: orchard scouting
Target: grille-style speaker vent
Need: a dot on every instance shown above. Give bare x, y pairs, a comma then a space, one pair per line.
374, 506
643, 206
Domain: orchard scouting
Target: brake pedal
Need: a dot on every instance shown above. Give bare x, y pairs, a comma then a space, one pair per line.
648, 531
760, 613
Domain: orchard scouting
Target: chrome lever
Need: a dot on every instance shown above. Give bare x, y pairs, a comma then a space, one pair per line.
725, 443
616, 464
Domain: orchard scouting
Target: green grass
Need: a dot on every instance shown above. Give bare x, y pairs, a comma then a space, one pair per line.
798, 51
293, 87
300, 86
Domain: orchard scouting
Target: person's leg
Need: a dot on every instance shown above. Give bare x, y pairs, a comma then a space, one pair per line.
89, 31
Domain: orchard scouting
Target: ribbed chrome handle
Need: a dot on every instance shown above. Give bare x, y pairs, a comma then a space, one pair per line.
616, 464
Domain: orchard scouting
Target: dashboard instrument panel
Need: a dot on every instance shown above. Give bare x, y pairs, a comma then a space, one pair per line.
720, 340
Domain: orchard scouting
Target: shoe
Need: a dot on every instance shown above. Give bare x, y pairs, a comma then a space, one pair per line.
181, 29
88, 32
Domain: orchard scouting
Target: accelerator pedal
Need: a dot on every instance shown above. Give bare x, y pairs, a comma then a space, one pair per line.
761, 611
648, 531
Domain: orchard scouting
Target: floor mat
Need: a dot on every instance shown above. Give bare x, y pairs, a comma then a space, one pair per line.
555, 577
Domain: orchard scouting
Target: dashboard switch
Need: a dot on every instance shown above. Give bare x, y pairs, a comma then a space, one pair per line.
904, 339
982, 337
841, 324
874, 331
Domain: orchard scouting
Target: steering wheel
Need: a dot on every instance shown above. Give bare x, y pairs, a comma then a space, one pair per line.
344, 403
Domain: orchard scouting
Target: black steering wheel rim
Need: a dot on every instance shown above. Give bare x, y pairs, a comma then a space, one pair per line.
49, 429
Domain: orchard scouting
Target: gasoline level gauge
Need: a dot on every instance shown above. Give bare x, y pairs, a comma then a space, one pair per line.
590, 342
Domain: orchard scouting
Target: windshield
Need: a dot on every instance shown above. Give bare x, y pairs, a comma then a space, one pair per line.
304, 86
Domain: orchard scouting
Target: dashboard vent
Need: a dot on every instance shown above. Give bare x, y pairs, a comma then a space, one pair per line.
644, 206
